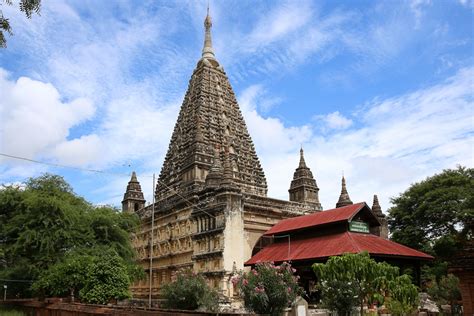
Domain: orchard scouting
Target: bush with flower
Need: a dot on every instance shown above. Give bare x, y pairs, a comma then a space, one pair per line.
268, 288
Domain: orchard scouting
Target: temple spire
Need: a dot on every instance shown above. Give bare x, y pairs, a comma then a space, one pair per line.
303, 187
344, 198
133, 199
382, 231
302, 162
376, 206
207, 51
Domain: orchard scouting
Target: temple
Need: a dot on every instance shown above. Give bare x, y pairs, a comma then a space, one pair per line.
211, 208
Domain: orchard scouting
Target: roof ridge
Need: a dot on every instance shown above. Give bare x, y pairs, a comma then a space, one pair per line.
317, 219
353, 241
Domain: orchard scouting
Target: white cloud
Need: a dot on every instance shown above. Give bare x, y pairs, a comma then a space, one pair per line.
34, 119
334, 120
134, 129
79, 151
280, 22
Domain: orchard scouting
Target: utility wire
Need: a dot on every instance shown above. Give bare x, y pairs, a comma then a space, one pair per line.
105, 173
68, 167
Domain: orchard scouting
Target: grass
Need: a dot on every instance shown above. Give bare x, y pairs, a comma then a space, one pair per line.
7, 311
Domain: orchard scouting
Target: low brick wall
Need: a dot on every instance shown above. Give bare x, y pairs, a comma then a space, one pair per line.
58, 308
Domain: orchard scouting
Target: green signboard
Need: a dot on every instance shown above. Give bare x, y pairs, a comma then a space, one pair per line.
359, 227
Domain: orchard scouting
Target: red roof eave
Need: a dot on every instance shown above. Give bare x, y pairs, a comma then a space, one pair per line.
323, 247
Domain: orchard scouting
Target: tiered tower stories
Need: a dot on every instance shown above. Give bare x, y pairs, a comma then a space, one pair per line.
133, 199
211, 206
303, 188
209, 118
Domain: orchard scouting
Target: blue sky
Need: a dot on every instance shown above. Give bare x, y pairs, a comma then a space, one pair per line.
379, 90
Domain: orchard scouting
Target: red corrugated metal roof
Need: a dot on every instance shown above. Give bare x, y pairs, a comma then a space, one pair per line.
316, 219
332, 245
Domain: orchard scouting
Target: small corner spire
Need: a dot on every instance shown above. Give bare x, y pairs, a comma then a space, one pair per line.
214, 177
207, 51
376, 208
376, 200
344, 198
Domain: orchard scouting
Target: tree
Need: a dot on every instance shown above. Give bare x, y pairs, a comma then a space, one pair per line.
436, 214
38, 227
360, 276
268, 288
26, 6
189, 291
45, 226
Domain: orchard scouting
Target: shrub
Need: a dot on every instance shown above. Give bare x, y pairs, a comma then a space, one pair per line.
352, 279
106, 279
268, 289
190, 291
340, 296
403, 296
445, 291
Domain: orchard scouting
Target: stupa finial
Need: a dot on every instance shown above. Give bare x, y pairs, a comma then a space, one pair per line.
207, 51
302, 161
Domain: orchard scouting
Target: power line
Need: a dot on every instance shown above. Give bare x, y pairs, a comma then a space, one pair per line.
104, 173
65, 166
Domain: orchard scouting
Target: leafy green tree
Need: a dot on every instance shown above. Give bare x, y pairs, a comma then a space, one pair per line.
26, 6
269, 288
45, 224
189, 291
38, 227
359, 275
436, 214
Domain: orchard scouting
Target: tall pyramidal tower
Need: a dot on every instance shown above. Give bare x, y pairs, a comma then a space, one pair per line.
209, 119
211, 206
